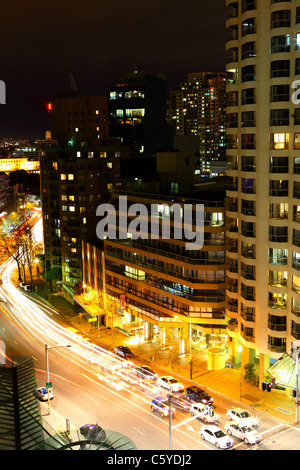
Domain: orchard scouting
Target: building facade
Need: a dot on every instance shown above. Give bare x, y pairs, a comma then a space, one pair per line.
262, 216
137, 111
156, 285
198, 108
78, 117
74, 181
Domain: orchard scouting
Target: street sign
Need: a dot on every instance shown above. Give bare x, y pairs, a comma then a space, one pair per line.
48, 385
92, 319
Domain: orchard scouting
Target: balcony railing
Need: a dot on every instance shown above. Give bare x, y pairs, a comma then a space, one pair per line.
276, 326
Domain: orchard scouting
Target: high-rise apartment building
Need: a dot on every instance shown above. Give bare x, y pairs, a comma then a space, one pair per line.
198, 108
262, 216
74, 181
156, 284
137, 111
79, 117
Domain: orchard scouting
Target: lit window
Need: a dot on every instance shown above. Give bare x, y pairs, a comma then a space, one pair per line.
62, 177
70, 177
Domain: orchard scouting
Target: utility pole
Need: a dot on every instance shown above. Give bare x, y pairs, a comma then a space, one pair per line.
170, 422
47, 368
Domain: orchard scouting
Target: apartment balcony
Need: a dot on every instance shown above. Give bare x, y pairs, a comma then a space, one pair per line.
248, 296
296, 264
276, 326
248, 168
278, 283
279, 238
278, 305
232, 307
251, 212
295, 333
296, 310
278, 261
278, 215
280, 348
249, 337
247, 317
296, 288
248, 233
248, 253
250, 275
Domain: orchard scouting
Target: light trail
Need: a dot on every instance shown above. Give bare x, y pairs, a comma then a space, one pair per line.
37, 321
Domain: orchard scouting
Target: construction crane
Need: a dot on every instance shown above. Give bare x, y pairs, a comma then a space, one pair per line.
72, 81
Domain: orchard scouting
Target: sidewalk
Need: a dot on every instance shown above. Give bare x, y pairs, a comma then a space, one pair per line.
226, 382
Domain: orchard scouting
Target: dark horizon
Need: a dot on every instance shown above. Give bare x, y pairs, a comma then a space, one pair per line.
101, 43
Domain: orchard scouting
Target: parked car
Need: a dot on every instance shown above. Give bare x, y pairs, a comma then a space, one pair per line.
238, 414
243, 431
180, 403
144, 372
216, 436
161, 406
93, 432
42, 394
123, 351
28, 288
204, 412
170, 383
197, 395
22, 284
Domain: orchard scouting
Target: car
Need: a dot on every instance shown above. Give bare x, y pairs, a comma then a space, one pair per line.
42, 394
161, 406
170, 383
204, 412
197, 395
243, 431
216, 436
237, 414
144, 372
28, 288
22, 284
93, 432
123, 351
180, 403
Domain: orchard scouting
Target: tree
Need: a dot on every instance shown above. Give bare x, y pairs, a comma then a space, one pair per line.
250, 375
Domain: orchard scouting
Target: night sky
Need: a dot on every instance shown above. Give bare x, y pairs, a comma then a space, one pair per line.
102, 40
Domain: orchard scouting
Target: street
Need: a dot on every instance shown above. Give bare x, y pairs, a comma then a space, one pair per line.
86, 392
89, 386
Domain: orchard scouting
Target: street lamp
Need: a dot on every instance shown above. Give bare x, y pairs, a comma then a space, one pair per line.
47, 348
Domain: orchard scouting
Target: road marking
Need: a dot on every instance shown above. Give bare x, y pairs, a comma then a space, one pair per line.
137, 430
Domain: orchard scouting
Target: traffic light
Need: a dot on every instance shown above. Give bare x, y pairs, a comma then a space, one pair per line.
264, 386
294, 393
269, 387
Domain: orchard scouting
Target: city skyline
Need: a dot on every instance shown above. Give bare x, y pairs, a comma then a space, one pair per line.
101, 43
